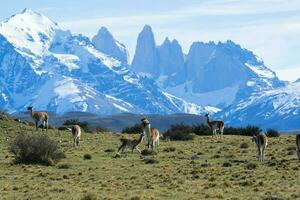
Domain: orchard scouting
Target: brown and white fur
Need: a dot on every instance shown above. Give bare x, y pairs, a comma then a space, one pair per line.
298, 145
151, 133
39, 117
261, 141
131, 144
215, 126
76, 134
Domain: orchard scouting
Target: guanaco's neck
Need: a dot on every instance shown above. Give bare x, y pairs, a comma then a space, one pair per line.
147, 128
31, 112
207, 120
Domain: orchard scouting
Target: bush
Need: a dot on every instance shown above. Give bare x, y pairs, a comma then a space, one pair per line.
4, 115
251, 166
64, 166
35, 149
246, 131
137, 128
63, 128
89, 196
87, 156
169, 149
205, 130
201, 130
147, 152
179, 132
227, 164
150, 161
109, 150
272, 133
244, 145
100, 128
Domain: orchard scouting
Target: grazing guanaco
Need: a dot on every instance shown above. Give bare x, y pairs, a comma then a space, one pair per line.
76, 134
298, 145
131, 144
215, 126
39, 117
151, 133
261, 141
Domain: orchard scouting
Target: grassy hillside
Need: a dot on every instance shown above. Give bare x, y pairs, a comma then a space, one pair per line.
221, 169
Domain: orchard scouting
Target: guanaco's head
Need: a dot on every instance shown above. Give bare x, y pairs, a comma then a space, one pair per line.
29, 108
254, 138
145, 122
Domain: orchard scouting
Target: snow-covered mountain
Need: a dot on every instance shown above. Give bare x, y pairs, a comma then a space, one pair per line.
277, 108
105, 42
211, 74
50, 68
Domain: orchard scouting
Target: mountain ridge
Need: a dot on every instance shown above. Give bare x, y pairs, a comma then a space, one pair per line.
71, 57
39, 59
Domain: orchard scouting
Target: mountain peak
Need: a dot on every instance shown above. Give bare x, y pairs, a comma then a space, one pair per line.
166, 41
174, 41
103, 32
147, 28
27, 10
106, 43
29, 31
145, 59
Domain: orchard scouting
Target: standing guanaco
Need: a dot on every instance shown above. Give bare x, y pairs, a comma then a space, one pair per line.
39, 117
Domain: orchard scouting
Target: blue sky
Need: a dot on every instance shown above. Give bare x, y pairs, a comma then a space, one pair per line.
270, 28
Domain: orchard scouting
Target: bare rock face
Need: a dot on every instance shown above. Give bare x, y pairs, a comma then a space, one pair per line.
145, 60
105, 42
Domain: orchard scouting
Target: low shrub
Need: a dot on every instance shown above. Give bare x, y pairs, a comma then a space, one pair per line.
227, 164
64, 166
246, 131
150, 161
4, 115
272, 133
169, 149
137, 128
201, 130
244, 145
87, 156
147, 152
63, 128
109, 150
89, 196
179, 132
273, 198
251, 166
100, 128
35, 149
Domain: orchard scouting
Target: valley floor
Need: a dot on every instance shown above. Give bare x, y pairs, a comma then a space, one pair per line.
221, 170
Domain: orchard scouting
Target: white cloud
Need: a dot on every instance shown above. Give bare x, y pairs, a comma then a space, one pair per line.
289, 74
239, 7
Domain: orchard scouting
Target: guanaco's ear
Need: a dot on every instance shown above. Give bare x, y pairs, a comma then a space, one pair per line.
143, 119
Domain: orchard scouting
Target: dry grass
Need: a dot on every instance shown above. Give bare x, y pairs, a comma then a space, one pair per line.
222, 171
